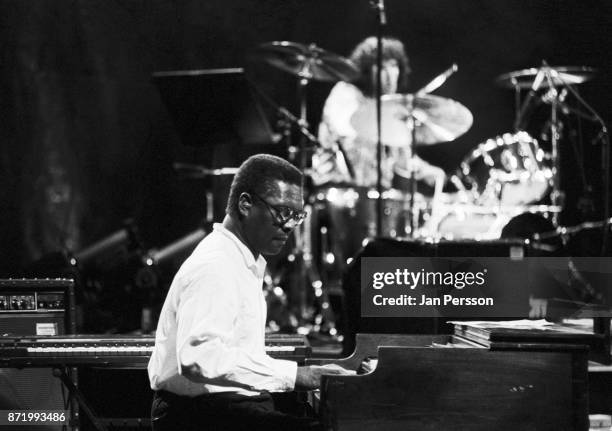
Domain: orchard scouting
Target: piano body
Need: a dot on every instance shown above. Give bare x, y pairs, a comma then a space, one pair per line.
420, 382
442, 383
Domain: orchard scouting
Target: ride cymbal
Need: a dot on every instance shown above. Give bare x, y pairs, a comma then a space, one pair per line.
559, 75
307, 61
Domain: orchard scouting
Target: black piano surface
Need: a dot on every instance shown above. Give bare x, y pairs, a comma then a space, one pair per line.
442, 383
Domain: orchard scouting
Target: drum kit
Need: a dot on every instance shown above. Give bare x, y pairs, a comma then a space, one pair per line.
501, 180
503, 183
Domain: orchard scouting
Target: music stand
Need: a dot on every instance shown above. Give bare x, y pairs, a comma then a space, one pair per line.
211, 106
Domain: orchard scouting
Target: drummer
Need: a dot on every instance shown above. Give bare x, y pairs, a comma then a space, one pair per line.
350, 157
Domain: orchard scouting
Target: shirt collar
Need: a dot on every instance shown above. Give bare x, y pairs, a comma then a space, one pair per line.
258, 265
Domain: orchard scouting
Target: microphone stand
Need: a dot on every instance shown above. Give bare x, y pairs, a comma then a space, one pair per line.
379, 6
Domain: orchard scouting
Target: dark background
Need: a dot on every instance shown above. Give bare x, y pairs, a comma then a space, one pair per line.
87, 142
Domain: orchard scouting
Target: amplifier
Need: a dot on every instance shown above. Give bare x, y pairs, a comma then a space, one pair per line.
35, 307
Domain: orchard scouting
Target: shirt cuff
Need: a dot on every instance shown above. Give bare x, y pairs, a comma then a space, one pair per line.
287, 372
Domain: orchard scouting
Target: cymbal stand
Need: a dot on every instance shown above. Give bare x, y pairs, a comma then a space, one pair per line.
413, 122
301, 255
557, 196
303, 244
604, 137
301, 123
302, 260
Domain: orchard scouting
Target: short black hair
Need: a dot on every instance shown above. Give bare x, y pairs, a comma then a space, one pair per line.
364, 56
258, 174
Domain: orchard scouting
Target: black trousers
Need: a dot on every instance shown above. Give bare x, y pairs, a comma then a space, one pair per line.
224, 412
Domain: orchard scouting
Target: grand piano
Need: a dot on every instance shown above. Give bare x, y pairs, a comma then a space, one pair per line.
440, 382
420, 382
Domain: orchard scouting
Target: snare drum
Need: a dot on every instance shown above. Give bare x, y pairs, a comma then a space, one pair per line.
507, 170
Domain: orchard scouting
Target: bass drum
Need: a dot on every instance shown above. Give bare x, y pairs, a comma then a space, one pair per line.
510, 169
344, 218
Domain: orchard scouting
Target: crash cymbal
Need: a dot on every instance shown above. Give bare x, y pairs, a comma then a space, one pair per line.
307, 61
437, 119
560, 76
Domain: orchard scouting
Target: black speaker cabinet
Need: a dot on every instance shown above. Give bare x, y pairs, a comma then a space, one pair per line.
34, 307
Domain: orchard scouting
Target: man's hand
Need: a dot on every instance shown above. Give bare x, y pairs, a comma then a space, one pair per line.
309, 377
423, 171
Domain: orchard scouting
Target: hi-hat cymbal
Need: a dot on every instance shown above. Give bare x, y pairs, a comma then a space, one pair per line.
307, 61
559, 75
437, 119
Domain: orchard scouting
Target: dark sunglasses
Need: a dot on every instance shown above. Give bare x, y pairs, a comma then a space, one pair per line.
283, 214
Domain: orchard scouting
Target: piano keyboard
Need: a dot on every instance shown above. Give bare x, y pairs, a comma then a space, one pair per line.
115, 350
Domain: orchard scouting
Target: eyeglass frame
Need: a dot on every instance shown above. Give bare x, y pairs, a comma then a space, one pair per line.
297, 217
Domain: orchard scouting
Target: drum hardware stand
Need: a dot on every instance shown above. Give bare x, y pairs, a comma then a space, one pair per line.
301, 255
521, 109
413, 122
557, 195
603, 137
545, 73
303, 247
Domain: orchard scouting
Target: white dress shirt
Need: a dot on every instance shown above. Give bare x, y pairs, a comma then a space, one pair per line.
343, 102
347, 110
213, 324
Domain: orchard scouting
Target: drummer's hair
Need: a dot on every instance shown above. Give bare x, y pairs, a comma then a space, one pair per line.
364, 57
258, 174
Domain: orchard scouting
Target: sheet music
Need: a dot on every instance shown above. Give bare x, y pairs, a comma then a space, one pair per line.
525, 324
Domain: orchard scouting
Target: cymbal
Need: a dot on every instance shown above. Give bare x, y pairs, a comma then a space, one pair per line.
560, 76
307, 61
437, 119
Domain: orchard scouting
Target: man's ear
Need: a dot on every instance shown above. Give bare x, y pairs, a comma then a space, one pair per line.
245, 203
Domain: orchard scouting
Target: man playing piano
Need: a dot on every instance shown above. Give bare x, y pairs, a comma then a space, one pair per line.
209, 369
